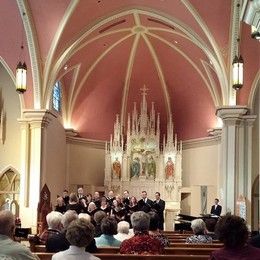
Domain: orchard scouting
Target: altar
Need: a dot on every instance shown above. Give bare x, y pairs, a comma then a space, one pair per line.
140, 159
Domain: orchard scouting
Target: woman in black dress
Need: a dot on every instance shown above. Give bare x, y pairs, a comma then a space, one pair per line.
105, 206
74, 204
117, 211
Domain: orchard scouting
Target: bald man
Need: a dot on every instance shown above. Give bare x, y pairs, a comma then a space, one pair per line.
8, 247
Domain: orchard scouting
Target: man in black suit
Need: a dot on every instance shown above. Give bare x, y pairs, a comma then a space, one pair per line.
159, 206
126, 198
80, 194
110, 198
216, 209
82, 198
144, 204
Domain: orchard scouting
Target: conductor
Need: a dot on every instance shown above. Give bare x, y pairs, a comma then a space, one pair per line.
144, 204
216, 209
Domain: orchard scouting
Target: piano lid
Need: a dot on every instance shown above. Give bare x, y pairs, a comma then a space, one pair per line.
187, 217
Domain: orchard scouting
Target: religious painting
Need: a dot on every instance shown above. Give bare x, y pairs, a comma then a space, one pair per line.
116, 169
135, 167
151, 167
169, 169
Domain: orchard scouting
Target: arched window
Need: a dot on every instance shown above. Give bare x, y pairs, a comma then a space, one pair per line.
56, 97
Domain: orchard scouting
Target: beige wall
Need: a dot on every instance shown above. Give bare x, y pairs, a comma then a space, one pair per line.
10, 150
54, 158
200, 167
86, 164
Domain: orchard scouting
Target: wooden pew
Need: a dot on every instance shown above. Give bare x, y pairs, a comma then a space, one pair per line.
184, 249
48, 256
182, 240
178, 240
44, 256
38, 248
189, 250
153, 257
195, 250
213, 245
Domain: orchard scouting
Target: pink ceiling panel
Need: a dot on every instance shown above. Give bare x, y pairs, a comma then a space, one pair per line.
47, 16
192, 105
150, 21
100, 100
186, 46
217, 18
250, 50
94, 11
10, 46
90, 53
117, 24
145, 72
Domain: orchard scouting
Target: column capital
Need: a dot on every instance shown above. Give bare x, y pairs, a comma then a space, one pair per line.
250, 119
37, 117
216, 132
232, 115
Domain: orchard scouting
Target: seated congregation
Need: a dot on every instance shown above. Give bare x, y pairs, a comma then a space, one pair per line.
79, 236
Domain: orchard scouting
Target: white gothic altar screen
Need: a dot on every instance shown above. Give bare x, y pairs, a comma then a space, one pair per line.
138, 162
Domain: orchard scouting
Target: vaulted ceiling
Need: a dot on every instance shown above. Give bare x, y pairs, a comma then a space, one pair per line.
104, 51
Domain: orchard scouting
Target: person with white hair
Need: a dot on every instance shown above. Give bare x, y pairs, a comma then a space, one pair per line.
142, 242
80, 233
85, 216
10, 249
122, 231
68, 217
198, 227
58, 242
54, 226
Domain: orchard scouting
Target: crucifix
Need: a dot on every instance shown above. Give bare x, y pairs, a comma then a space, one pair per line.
143, 90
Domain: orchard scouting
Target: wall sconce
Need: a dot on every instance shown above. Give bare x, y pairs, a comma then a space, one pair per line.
254, 33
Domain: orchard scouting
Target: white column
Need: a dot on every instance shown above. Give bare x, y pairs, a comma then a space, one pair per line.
24, 183
32, 125
248, 169
230, 140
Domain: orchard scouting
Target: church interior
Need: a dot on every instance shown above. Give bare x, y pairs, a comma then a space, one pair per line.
131, 94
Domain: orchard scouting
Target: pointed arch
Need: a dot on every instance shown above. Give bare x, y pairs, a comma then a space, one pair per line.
253, 91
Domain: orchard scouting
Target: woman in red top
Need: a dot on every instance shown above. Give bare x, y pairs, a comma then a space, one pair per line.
141, 243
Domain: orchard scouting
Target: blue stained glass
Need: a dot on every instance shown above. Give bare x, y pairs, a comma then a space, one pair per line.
56, 96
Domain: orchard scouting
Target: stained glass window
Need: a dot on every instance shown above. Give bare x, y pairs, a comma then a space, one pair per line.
56, 96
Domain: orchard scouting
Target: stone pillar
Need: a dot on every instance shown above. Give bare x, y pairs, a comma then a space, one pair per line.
236, 149
33, 124
231, 117
24, 183
248, 167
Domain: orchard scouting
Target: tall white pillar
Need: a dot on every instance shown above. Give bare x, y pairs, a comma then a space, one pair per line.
33, 123
232, 140
249, 121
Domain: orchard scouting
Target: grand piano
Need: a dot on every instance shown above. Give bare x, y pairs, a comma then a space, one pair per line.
184, 221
